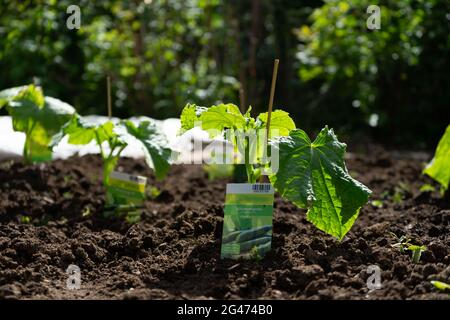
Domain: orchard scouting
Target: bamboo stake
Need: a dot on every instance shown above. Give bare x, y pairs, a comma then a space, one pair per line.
108, 89
269, 114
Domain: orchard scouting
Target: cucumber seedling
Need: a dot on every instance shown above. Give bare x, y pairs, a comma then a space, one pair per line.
113, 137
311, 174
36, 115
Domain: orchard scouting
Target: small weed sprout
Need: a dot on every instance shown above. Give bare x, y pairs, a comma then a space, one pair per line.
442, 286
255, 255
25, 219
153, 192
416, 252
403, 242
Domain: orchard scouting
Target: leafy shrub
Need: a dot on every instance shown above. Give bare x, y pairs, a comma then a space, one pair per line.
361, 77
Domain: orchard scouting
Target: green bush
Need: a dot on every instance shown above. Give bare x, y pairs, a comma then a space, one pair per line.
159, 54
393, 79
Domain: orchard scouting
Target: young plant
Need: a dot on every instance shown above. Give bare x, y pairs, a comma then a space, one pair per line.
311, 174
442, 286
37, 116
439, 167
228, 121
402, 243
113, 138
416, 252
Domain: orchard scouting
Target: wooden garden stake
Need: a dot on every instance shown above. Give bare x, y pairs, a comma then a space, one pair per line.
269, 114
108, 89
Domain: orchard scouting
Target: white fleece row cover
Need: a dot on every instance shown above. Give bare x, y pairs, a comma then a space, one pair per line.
11, 142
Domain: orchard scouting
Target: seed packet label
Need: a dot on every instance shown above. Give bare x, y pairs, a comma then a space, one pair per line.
247, 223
125, 189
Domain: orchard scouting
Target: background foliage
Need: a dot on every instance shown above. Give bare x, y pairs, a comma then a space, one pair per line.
390, 84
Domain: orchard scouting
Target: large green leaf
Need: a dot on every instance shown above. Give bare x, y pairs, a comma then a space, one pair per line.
154, 143
29, 106
224, 116
313, 176
280, 123
439, 167
55, 113
39, 118
78, 132
189, 116
81, 131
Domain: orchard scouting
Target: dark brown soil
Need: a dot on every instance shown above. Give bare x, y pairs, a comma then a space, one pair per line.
174, 251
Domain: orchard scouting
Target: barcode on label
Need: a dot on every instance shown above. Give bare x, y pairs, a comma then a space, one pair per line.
261, 187
133, 178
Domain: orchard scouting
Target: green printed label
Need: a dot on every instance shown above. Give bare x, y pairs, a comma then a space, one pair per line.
125, 189
247, 223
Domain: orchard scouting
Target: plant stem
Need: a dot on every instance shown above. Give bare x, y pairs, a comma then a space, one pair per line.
416, 255
26, 150
109, 163
27, 156
248, 166
250, 173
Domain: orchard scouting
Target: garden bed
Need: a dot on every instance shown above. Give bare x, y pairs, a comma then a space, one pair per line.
50, 217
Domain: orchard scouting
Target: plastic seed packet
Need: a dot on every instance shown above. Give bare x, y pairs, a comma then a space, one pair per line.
247, 223
125, 192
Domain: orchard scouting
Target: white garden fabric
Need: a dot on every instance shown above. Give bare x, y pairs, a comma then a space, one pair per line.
11, 142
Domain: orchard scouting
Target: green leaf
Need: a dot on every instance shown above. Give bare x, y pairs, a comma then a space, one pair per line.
439, 167
414, 247
377, 203
79, 132
154, 143
232, 109
39, 118
441, 285
8, 94
280, 122
31, 94
105, 132
416, 252
224, 116
313, 176
426, 188
189, 116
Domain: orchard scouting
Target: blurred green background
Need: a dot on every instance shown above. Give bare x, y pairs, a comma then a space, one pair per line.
389, 85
